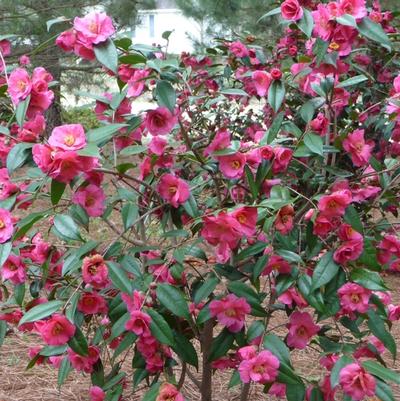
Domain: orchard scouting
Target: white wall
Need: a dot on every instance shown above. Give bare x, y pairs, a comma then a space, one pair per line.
152, 24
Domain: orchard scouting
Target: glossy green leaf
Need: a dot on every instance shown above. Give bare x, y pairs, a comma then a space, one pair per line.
378, 329
41, 311
380, 371
375, 32
166, 95
173, 299
106, 54
119, 278
314, 143
18, 155
324, 272
67, 228
160, 328
276, 94
56, 191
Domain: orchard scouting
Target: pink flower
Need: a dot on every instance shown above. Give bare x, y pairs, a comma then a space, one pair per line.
68, 137
95, 271
239, 49
222, 140
92, 303
66, 40
350, 250
320, 124
94, 27
301, 330
19, 85
291, 10
6, 225
84, 363
173, 189
32, 129
292, 298
262, 81
96, 394
263, 368
232, 166
247, 219
354, 298
324, 23
356, 8
139, 322
168, 392
277, 264
335, 204
278, 390
284, 219
137, 82
230, 312
14, 270
160, 121
92, 199
282, 158
356, 382
57, 330
360, 151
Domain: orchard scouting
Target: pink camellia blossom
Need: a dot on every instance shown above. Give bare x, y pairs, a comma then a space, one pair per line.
278, 390
349, 250
32, 129
230, 311
92, 303
335, 204
222, 140
61, 165
239, 49
6, 225
262, 368
139, 322
157, 145
278, 265
324, 24
247, 218
232, 166
356, 8
301, 329
66, 40
354, 298
359, 149
19, 85
291, 10
160, 121
262, 80
14, 270
282, 158
68, 137
292, 298
173, 190
57, 330
24, 60
137, 83
370, 349
84, 363
320, 124
92, 198
94, 28
168, 392
95, 271
356, 382
7, 188
284, 219
96, 394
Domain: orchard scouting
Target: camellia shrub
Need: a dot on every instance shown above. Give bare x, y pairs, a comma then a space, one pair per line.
243, 220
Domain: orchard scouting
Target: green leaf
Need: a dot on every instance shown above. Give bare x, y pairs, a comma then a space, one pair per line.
221, 344
129, 214
160, 328
314, 143
378, 329
347, 20
205, 289
106, 54
290, 256
63, 371
306, 24
133, 150
260, 266
41, 311
91, 150
103, 134
251, 182
134, 58
56, 191
380, 371
275, 11
324, 272
375, 32
242, 290
368, 279
234, 380
173, 299
319, 49
352, 217
18, 155
339, 365
275, 127
295, 392
67, 228
307, 111
276, 94
78, 343
3, 331
352, 81
277, 347
184, 348
5, 250
119, 278
152, 394
383, 391
21, 110
19, 293
234, 92
26, 223
166, 95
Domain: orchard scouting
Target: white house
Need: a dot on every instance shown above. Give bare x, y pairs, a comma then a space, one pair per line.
166, 17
